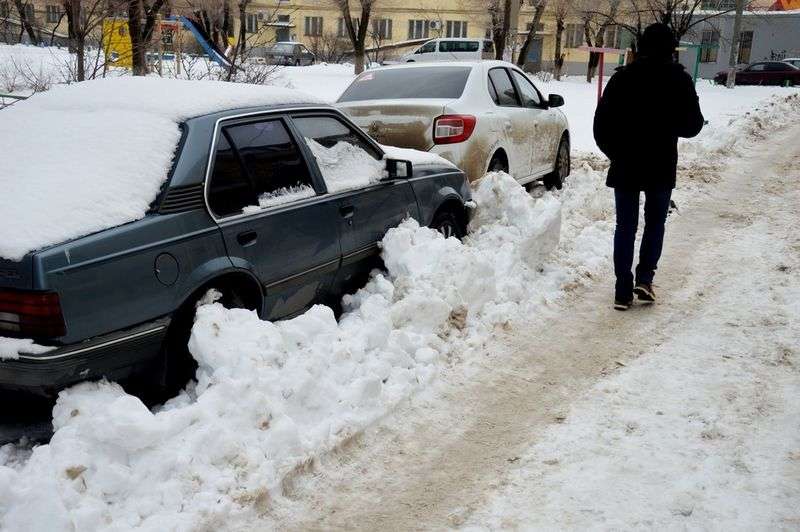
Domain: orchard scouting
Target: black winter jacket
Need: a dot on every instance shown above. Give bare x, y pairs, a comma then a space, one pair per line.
646, 106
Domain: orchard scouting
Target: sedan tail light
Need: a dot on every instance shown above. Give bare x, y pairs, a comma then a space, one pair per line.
31, 314
451, 129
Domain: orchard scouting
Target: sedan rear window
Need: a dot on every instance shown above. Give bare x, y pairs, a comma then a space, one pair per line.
425, 82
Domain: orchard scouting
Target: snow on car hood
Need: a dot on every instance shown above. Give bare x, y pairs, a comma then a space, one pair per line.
89, 156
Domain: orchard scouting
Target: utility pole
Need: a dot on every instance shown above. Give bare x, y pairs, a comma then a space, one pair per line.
734, 55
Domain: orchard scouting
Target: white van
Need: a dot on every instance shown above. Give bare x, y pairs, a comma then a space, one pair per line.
451, 49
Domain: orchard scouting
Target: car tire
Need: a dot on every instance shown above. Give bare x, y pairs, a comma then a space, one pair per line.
448, 223
178, 366
555, 179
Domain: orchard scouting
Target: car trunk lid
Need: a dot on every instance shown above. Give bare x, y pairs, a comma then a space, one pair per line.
405, 123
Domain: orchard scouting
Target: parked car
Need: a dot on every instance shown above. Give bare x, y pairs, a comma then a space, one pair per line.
794, 61
764, 73
288, 53
481, 115
451, 49
245, 208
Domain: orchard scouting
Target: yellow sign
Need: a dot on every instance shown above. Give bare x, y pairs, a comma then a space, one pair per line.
117, 42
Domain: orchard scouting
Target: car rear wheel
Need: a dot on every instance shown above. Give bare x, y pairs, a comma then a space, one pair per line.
178, 366
555, 179
449, 224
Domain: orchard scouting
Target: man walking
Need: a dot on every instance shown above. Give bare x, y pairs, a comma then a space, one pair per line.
646, 106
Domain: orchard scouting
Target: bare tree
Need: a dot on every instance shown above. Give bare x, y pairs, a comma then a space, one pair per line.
500, 13
83, 19
214, 18
680, 15
536, 20
594, 30
356, 29
141, 22
561, 10
241, 44
25, 23
329, 47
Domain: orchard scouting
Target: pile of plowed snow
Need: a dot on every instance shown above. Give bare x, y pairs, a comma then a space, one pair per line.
270, 397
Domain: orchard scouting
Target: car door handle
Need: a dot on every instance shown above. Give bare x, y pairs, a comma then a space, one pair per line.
347, 212
247, 238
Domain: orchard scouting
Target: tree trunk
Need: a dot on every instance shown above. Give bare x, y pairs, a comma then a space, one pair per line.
227, 30
72, 10
523, 52
501, 23
594, 57
358, 59
558, 57
139, 58
242, 44
25, 23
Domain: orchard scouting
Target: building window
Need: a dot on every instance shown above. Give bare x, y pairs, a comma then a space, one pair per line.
710, 45
528, 26
418, 29
573, 35
745, 45
251, 23
53, 14
456, 28
612, 37
382, 28
341, 30
314, 26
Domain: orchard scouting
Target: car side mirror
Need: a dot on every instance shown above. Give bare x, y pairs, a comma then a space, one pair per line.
399, 169
555, 100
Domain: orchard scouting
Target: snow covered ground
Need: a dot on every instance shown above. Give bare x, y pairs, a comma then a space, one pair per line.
272, 399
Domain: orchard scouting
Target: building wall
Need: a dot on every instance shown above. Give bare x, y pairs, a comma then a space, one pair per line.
775, 35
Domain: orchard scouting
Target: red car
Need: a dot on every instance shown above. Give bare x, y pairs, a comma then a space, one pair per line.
764, 73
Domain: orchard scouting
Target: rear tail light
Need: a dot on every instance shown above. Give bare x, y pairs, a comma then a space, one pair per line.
451, 129
31, 314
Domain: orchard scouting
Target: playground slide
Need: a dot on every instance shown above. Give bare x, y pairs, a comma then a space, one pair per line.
205, 41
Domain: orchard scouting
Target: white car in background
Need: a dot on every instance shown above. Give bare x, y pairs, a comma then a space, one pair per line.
794, 61
452, 49
482, 116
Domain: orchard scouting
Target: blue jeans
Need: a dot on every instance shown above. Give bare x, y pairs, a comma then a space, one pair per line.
656, 206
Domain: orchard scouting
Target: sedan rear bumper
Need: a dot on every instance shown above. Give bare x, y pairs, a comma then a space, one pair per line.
114, 356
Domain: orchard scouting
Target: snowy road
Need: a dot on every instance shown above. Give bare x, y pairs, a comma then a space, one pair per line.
680, 415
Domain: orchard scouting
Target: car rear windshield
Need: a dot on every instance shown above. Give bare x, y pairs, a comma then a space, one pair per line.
281, 48
423, 82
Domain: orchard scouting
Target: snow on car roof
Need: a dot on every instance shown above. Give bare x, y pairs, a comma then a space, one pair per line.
85, 157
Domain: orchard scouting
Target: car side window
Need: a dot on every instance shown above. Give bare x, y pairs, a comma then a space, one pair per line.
506, 94
230, 189
427, 48
329, 131
758, 67
344, 157
530, 96
777, 67
269, 162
